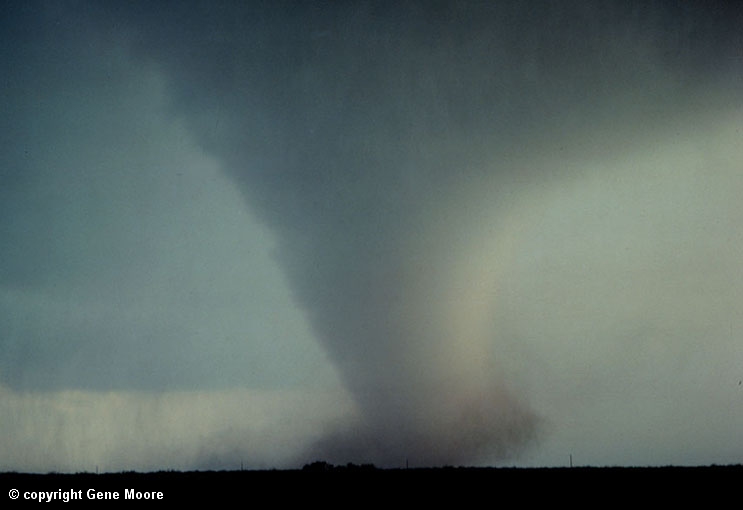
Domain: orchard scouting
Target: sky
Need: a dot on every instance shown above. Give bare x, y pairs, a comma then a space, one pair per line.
429, 233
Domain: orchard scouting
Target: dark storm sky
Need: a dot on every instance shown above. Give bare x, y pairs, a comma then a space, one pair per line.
468, 232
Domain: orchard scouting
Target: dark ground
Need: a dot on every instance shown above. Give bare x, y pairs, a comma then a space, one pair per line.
352, 486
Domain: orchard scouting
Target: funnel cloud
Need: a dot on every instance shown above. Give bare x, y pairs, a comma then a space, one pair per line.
509, 226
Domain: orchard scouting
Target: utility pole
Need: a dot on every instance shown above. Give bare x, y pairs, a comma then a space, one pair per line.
571, 460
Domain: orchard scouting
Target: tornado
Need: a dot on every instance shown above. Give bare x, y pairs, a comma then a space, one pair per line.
391, 147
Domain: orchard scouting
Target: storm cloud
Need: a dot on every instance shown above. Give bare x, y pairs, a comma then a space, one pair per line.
507, 225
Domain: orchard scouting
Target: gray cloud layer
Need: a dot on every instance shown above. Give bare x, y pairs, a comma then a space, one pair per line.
129, 260
497, 218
